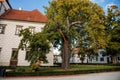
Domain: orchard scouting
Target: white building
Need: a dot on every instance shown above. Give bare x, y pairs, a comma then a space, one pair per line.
4, 6
100, 58
57, 59
11, 22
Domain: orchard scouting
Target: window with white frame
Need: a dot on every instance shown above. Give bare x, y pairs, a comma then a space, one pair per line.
2, 28
27, 54
18, 29
32, 29
14, 55
101, 59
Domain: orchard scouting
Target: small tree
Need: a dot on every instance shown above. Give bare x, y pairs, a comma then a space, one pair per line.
37, 43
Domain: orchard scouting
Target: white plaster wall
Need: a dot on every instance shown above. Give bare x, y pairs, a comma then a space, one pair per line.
59, 59
99, 56
76, 59
9, 40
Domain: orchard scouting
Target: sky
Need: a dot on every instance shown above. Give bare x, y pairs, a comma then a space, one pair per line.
38, 4
29, 4
105, 3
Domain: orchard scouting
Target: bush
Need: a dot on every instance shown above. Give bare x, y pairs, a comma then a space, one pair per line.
75, 69
35, 67
20, 69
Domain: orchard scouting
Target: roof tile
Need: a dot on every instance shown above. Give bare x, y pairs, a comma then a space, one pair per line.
2, 0
34, 15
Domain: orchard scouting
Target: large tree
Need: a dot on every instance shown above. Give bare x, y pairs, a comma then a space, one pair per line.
70, 20
113, 31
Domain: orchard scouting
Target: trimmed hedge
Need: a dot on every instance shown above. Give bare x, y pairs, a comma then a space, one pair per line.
54, 71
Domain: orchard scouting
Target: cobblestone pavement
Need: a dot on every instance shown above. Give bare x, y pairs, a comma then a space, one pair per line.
94, 76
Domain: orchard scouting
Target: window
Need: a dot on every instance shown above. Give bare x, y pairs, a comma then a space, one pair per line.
103, 53
118, 58
18, 29
101, 59
0, 50
2, 28
96, 58
14, 54
27, 54
32, 29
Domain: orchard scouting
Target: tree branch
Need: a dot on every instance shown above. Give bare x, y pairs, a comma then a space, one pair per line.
68, 23
117, 12
76, 22
60, 31
58, 25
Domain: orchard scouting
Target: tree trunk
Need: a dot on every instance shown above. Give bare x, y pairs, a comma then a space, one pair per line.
66, 43
65, 56
66, 51
113, 59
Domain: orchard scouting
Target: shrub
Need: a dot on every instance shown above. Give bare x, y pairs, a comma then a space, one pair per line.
20, 69
35, 67
50, 71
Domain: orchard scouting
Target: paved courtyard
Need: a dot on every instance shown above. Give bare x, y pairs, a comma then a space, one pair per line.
94, 76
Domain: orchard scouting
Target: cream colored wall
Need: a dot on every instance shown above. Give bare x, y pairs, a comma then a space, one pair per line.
9, 40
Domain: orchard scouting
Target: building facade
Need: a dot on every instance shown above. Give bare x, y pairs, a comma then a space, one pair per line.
11, 22
4, 6
100, 58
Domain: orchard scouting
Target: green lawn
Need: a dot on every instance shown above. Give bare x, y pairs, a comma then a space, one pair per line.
74, 69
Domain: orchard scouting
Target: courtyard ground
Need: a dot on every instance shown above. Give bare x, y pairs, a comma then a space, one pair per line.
93, 76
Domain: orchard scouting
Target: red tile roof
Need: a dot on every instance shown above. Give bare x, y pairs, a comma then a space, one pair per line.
34, 16
2, 0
